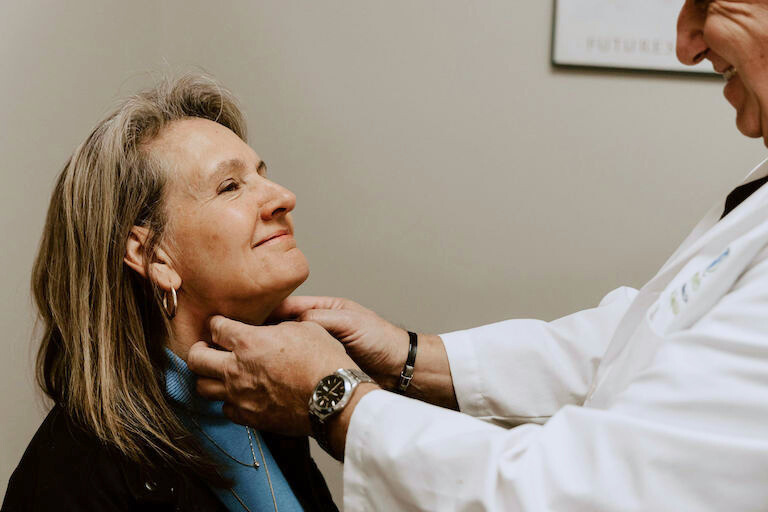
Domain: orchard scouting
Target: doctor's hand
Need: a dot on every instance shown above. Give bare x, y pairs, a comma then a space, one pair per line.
266, 374
379, 347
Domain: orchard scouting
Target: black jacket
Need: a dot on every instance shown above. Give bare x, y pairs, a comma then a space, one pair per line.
67, 468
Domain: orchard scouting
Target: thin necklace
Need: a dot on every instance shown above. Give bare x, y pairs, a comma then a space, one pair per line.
255, 464
266, 468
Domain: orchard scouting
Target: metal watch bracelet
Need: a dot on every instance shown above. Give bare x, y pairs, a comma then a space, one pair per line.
318, 421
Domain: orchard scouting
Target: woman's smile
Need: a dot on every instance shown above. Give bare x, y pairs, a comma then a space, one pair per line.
281, 236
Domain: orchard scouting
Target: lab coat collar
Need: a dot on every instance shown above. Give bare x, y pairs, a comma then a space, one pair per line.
761, 171
741, 219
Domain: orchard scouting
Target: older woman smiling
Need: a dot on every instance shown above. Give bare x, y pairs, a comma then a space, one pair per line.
163, 217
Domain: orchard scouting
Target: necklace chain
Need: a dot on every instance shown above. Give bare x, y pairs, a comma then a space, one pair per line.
266, 468
255, 464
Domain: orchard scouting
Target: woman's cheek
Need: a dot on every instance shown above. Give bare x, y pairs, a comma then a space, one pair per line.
212, 240
203, 248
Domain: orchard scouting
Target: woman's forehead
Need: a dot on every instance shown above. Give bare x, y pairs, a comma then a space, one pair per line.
197, 150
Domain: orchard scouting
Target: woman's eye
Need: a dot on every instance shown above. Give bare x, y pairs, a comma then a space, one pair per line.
229, 187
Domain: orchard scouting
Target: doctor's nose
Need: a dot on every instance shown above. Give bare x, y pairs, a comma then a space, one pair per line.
691, 48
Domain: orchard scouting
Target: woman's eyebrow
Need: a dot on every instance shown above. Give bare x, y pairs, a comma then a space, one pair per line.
235, 164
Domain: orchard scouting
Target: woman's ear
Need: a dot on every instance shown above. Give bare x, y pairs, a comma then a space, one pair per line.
161, 270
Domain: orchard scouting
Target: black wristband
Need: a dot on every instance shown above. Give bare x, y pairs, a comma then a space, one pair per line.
407, 374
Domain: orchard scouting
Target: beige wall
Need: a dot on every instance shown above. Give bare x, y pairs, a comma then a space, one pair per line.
447, 176
64, 63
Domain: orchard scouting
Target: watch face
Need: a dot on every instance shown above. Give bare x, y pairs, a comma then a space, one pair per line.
329, 392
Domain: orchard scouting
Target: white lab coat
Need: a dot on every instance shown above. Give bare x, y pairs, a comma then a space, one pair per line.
656, 400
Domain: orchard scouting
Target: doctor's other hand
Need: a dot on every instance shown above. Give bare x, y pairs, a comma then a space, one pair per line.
379, 347
266, 374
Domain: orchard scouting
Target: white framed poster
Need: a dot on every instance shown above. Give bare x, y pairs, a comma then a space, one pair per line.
624, 34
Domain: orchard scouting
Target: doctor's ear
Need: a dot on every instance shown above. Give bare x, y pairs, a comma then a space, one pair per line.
159, 269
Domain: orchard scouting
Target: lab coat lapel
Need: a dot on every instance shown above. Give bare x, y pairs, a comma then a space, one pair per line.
708, 232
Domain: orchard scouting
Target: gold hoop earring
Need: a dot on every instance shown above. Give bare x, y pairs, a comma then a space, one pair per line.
171, 312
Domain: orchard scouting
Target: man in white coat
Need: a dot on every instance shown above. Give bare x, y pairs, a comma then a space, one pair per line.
656, 399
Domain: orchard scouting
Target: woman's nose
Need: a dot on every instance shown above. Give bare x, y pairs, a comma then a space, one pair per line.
691, 48
279, 201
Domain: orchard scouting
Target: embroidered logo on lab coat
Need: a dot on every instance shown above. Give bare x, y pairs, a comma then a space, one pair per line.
715, 264
668, 311
694, 283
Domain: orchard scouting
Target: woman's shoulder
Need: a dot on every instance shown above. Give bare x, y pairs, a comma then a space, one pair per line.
65, 467
59, 436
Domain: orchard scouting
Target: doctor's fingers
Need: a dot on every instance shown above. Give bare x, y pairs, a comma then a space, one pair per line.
232, 412
343, 325
228, 333
293, 307
212, 389
209, 362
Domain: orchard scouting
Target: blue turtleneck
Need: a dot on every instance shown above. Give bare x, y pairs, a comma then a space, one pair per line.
251, 486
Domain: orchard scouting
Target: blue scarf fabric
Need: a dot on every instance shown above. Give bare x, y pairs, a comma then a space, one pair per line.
250, 485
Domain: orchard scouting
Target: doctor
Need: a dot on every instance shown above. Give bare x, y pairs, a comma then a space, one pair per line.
656, 399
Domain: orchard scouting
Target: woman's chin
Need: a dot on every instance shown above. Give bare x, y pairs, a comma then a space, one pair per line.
288, 273
253, 305
300, 268
293, 276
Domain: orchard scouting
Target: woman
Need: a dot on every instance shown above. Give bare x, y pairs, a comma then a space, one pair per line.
161, 218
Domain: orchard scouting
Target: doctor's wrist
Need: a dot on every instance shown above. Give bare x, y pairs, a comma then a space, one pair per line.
432, 382
388, 377
338, 425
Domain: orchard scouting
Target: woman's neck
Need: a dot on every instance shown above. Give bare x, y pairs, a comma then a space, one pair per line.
188, 328
190, 325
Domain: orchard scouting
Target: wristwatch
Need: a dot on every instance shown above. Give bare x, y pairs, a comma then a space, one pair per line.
330, 396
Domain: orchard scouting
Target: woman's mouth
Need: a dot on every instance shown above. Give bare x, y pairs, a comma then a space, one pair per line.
274, 237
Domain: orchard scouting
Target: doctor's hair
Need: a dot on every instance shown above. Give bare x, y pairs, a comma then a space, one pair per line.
102, 327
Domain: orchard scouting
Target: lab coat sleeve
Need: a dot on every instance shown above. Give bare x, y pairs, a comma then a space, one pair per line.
404, 455
521, 371
688, 433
